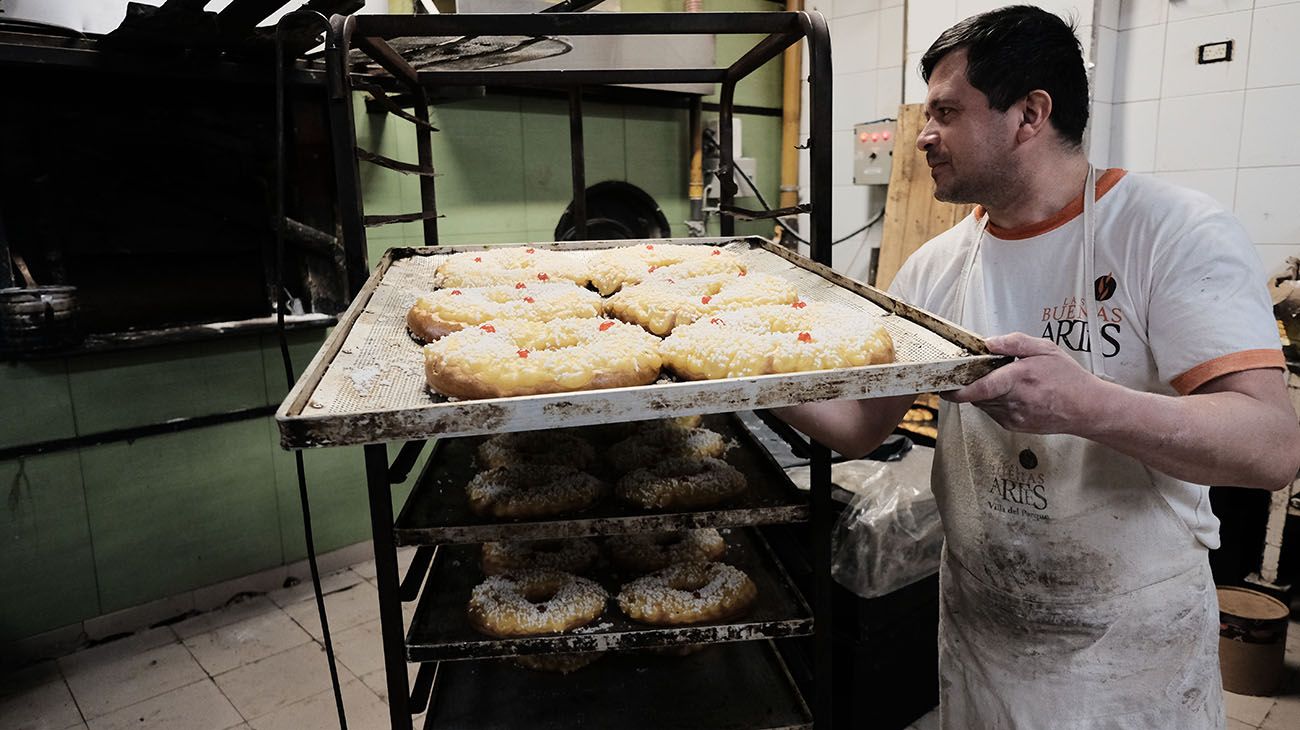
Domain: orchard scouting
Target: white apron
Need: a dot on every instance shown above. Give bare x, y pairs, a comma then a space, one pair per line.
1072, 596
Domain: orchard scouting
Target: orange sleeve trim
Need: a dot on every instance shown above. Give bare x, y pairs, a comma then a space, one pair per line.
1231, 363
1108, 180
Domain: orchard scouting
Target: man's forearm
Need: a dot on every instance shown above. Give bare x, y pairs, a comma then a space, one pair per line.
852, 428
1219, 438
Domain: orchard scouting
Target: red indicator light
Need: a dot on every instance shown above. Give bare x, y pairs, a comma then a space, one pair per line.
862, 137
885, 135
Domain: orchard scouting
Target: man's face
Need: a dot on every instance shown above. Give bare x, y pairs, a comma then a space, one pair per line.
968, 145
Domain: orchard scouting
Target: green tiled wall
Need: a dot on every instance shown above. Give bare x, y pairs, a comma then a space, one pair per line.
47, 567
94, 530
38, 403
170, 514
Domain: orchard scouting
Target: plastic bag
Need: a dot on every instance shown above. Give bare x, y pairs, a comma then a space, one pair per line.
890, 536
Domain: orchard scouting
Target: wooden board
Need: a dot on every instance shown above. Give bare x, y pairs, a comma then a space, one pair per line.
912, 215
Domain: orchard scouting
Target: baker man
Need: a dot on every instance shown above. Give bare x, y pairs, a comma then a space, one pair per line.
1075, 586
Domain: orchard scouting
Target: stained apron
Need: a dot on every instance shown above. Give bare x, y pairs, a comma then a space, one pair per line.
1071, 594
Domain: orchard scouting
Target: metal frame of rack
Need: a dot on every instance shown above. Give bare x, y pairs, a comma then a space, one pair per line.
371, 34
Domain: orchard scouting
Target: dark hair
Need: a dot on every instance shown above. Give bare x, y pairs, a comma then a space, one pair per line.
1014, 50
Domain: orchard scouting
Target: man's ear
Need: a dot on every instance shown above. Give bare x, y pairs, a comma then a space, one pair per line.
1035, 109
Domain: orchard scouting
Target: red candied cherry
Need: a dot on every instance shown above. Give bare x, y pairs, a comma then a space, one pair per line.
805, 337
522, 353
530, 250
604, 326
799, 304
530, 300
487, 328
716, 320
478, 259
543, 277
520, 285
455, 292
705, 299
715, 252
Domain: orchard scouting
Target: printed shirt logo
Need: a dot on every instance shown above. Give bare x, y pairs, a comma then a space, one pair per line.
1104, 287
1066, 324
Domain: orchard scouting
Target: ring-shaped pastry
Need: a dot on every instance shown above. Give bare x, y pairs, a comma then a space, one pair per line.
548, 447
449, 310
655, 445
688, 593
534, 602
526, 491
648, 552
509, 265
515, 357
682, 484
777, 339
661, 304
614, 268
575, 555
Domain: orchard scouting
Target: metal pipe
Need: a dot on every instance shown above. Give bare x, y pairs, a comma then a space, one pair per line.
726, 165
578, 165
791, 101
819, 137
388, 584
424, 147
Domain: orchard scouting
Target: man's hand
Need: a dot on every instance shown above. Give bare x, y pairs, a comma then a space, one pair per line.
1044, 391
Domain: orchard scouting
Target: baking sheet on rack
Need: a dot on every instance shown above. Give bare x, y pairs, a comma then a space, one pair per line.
380, 368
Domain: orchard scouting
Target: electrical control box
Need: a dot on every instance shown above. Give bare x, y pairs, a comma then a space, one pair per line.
873, 152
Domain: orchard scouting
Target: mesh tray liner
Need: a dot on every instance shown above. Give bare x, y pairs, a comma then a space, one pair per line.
380, 368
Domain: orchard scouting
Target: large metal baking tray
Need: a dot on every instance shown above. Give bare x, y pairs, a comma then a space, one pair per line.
741, 686
440, 629
366, 384
437, 510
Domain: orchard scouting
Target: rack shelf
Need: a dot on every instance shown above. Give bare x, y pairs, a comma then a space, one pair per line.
440, 631
437, 511
737, 686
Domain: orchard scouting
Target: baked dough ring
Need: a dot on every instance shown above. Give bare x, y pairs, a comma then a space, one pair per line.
575, 555
607, 433
613, 268
508, 265
648, 552
555, 448
562, 663
516, 357
534, 602
449, 310
660, 304
527, 491
688, 593
656, 445
777, 339
682, 484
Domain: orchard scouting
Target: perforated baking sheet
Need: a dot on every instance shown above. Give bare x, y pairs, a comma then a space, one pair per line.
366, 385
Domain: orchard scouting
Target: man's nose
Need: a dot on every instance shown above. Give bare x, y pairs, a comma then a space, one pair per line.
928, 137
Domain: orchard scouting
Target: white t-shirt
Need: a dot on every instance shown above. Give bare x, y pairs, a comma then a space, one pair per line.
1180, 289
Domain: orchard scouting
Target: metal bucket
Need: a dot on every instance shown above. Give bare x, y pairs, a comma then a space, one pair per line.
39, 318
1252, 640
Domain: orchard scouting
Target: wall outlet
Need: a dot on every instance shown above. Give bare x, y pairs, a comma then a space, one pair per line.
1214, 52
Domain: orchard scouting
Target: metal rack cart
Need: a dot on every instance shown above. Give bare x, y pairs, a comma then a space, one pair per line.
366, 386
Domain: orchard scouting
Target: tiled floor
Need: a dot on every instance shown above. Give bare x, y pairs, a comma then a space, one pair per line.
259, 665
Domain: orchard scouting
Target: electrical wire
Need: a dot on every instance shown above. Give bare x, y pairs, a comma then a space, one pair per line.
709, 140
280, 304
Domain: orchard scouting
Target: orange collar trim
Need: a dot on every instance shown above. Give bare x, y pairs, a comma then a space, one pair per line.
1107, 181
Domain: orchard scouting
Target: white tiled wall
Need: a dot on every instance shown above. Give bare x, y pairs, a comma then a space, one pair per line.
1227, 129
